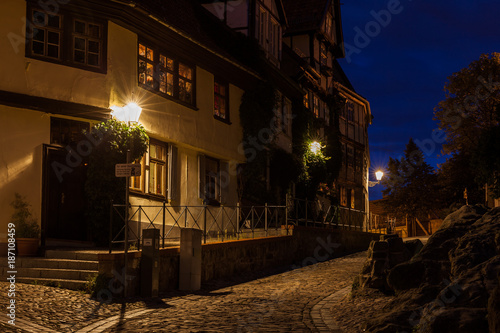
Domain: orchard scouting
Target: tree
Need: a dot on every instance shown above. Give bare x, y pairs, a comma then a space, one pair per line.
472, 95
411, 184
454, 176
486, 158
102, 186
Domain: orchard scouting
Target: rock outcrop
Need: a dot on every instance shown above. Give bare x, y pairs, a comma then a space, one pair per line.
452, 285
383, 255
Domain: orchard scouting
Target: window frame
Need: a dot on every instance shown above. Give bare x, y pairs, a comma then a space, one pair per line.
225, 97
146, 169
158, 68
66, 32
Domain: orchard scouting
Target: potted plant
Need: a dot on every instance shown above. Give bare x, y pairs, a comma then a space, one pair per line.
26, 225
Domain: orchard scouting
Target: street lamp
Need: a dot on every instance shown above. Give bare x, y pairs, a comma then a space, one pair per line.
130, 113
379, 174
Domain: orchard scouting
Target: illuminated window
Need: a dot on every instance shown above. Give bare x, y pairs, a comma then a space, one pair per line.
157, 169
306, 100
185, 83
221, 100
162, 73
316, 106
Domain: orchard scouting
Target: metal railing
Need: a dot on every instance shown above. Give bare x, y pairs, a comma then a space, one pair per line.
224, 223
218, 224
317, 213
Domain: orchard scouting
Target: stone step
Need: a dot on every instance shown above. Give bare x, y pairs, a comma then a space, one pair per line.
60, 283
50, 273
31, 262
72, 254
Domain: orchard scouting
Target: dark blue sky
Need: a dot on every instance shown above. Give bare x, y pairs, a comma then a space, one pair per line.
403, 60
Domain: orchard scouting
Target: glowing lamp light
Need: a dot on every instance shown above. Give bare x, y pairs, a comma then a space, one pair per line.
130, 113
315, 147
379, 174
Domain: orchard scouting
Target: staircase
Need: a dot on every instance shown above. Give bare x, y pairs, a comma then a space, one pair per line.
60, 268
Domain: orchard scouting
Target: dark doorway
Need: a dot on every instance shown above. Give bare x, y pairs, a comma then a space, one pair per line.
64, 196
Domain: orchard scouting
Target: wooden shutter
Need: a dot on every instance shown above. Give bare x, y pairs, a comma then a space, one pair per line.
224, 182
173, 173
201, 176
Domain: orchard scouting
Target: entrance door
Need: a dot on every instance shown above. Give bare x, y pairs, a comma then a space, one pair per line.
64, 191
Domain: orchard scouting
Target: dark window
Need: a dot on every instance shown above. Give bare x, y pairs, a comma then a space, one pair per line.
323, 54
162, 73
67, 132
221, 102
212, 185
66, 39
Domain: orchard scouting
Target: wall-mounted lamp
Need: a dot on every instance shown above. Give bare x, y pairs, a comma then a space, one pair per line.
130, 113
315, 147
379, 174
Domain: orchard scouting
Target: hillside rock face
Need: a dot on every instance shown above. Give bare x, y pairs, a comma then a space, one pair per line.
452, 284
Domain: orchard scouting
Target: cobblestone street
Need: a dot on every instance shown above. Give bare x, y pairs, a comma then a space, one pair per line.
293, 301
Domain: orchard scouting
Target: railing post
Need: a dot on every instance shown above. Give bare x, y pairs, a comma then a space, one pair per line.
205, 224
306, 212
185, 216
111, 226
237, 220
222, 221
163, 224
265, 219
253, 232
286, 214
139, 228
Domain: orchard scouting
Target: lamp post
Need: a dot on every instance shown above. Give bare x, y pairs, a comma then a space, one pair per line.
130, 113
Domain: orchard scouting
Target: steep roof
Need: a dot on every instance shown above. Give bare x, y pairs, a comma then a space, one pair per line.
305, 15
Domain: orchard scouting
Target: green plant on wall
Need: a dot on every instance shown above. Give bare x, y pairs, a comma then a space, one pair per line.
26, 224
102, 186
324, 166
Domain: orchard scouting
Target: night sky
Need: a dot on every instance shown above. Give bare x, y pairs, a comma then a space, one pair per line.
403, 64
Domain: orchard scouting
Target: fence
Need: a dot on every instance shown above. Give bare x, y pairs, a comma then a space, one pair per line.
232, 222
320, 213
217, 223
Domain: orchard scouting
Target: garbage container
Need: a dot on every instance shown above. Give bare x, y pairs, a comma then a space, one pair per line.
150, 262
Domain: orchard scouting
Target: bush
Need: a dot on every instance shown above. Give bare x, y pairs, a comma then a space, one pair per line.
26, 224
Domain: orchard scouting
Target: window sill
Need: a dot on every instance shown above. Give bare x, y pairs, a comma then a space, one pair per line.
171, 98
100, 70
149, 196
223, 120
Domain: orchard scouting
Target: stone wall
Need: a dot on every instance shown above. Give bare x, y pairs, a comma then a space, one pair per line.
306, 245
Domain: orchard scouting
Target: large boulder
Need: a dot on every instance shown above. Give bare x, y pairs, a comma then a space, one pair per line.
452, 284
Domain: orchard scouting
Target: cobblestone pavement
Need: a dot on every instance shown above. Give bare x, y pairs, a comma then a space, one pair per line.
291, 301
